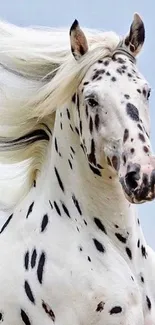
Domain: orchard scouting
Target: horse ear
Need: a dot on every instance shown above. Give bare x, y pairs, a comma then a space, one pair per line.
135, 39
79, 45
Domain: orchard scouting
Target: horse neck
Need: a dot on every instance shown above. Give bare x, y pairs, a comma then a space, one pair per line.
71, 184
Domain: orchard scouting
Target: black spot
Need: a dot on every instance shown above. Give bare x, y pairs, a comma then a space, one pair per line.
109, 161
26, 260
40, 268
121, 238
6, 223
77, 131
91, 125
144, 92
148, 302
68, 114
98, 73
57, 208
80, 249
138, 243
33, 258
72, 150
34, 183
86, 83
61, 125
106, 63
89, 259
126, 135
132, 111
81, 145
30, 209
139, 91
128, 251
124, 158
100, 225
129, 75
142, 279
76, 203
100, 306
119, 70
29, 292
115, 162
48, 311
100, 61
74, 98
71, 128
70, 164
85, 222
91, 156
59, 179
126, 96
120, 60
140, 127
65, 209
44, 222
113, 79
132, 150
56, 145
99, 166
87, 111
143, 250
95, 170
146, 150
1, 317
141, 137
24, 317
115, 310
108, 73
50, 204
97, 121
98, 245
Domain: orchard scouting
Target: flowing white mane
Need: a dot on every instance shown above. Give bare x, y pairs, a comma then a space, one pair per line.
37, 74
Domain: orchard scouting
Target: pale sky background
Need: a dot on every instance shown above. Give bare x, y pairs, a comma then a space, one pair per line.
107, 15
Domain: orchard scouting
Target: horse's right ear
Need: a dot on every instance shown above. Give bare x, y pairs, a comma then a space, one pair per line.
79, 45
135, 39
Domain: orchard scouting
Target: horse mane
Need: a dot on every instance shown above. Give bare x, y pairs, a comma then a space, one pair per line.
38, 74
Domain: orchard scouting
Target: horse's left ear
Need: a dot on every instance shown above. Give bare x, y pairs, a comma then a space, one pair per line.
79, 45
135, 39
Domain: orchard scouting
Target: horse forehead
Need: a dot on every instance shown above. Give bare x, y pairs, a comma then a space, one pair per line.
113, 70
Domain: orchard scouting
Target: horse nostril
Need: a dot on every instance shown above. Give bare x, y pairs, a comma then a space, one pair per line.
131, 179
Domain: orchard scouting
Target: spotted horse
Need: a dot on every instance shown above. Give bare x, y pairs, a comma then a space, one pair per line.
75, 158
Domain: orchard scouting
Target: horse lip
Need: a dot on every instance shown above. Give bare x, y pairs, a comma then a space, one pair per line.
128, 194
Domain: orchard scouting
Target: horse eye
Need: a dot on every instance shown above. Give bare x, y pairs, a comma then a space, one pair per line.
92, 102
149, 93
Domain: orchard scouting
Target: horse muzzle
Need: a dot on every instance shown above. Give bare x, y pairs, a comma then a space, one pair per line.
139, 182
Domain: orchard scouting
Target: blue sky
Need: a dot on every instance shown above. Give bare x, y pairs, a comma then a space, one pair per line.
107, 15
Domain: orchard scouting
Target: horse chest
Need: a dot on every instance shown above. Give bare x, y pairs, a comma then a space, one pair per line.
62, 276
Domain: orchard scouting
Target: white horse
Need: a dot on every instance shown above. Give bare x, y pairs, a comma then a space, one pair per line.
75, 155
